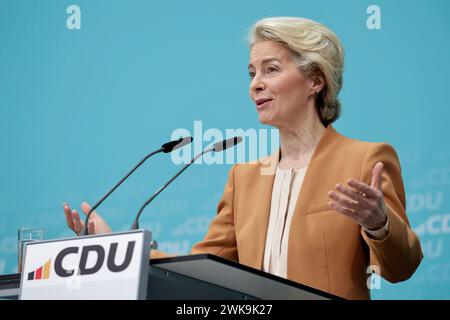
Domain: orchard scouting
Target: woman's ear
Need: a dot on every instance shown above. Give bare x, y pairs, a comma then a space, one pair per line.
318, 82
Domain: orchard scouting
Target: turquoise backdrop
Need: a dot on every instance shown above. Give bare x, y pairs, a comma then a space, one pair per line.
79, 107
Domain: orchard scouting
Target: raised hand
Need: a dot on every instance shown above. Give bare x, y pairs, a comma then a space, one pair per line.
361, 202
96, 223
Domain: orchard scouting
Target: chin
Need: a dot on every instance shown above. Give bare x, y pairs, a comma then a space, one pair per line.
267, 117
265, 120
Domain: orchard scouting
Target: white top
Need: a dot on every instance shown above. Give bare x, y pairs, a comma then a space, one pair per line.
286, 187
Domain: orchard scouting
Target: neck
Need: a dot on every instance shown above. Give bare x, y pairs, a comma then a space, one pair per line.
299, 140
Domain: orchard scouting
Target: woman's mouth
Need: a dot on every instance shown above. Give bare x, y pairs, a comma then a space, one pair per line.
263, 103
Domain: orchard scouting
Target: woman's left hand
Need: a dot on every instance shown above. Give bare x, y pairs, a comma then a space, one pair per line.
362, 203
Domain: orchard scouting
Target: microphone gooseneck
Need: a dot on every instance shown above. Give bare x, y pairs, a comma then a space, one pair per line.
217, 147
166, 148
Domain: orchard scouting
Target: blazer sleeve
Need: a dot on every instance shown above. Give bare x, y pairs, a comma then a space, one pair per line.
399, 253
220, 239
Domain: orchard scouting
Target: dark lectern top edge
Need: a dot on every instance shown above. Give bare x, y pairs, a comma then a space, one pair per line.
15, 278
208, 256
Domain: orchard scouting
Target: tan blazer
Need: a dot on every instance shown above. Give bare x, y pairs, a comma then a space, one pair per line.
326, 250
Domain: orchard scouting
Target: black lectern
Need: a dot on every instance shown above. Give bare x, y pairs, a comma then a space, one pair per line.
204, 277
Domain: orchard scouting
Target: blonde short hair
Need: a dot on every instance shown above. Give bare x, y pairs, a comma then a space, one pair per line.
316, 50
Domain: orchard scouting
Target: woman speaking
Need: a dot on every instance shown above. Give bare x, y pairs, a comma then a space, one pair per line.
324, 210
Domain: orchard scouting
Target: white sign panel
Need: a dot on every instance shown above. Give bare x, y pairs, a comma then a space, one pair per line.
113, 266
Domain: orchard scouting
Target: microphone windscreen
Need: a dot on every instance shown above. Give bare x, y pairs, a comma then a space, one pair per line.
225, 144
176, 144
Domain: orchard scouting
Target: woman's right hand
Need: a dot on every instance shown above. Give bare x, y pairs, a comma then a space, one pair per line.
96, 223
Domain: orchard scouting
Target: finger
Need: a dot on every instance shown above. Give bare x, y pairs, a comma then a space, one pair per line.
376, 176
91, 226
77, 222
353, 195
344, 202
68, 214
364, 188
86, 207
345, 211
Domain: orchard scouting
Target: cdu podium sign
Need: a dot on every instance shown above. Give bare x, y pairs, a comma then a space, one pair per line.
113, 266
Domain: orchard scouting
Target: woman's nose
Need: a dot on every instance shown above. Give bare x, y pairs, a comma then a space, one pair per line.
257, 85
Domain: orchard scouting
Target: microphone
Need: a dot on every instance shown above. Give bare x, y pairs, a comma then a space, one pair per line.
225, 144
217, 147
166, 148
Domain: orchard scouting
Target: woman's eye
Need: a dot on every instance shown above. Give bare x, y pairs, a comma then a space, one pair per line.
271, 69
251, 75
